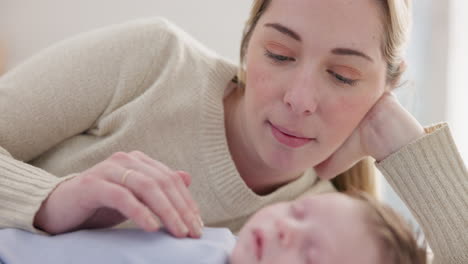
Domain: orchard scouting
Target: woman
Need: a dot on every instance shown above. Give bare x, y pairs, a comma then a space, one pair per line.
315, 93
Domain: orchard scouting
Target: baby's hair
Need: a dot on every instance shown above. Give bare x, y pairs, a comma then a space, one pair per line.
398, 244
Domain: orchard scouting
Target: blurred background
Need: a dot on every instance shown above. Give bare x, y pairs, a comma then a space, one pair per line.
437, 82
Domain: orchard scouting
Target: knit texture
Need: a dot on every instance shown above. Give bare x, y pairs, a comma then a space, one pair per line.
431, 178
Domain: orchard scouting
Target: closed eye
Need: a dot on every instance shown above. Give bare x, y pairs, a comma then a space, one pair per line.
297, 210
278, 58
342, 79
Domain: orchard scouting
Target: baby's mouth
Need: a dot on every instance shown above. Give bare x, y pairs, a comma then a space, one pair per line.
259, 243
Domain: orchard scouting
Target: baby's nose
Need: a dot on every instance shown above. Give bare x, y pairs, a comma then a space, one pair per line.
288, 233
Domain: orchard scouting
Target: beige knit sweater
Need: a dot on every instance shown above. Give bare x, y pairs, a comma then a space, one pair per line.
146, 85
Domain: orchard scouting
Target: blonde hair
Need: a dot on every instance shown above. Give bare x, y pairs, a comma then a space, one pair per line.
396, 24
398, 243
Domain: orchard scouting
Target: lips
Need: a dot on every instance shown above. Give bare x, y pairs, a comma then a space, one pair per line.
259, 241
288, 138
289, 133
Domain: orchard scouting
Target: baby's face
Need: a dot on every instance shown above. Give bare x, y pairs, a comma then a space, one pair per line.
322, 229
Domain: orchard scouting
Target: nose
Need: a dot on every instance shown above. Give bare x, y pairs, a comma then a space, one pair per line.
288, 233
301, 97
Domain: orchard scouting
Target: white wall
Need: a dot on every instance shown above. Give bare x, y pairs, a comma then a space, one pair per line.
458, 72
27, 26
425, 96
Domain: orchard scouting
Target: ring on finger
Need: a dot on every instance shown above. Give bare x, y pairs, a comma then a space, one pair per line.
124, 176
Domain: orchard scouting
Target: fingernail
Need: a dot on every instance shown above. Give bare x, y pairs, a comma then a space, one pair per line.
183, 229
196, 228
152, 223
201, 221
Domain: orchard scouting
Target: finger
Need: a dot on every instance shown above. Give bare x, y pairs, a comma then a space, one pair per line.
149, 161
185, 177
188, 196
342, 159
189, 201
116, 197
182, 180
166, 208
178, 194
151, 193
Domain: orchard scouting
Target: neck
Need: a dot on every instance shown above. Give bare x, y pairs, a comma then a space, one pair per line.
259, 177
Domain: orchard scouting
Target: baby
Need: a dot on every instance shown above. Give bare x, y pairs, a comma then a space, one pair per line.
328, 228
321, 229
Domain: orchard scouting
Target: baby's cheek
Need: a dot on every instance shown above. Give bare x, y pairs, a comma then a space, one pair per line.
282, 255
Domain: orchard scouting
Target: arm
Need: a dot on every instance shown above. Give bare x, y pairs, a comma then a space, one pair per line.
57, 94
424, 167
431, 178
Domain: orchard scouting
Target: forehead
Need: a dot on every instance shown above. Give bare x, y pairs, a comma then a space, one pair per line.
343, 224
334, 204
341, 23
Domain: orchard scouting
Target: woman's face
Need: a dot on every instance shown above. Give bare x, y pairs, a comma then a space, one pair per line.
313, 70
322, 229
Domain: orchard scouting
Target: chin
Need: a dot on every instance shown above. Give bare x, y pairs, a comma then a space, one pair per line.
238, 256
284, 162
287, 159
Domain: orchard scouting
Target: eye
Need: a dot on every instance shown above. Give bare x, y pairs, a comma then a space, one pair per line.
278, 58
312, 252
298, 210
342, 79
310, 256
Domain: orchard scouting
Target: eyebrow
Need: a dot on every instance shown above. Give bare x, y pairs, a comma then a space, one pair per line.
287, 31
337, 51
351, 52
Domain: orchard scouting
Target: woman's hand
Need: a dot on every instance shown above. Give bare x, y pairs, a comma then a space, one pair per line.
385, 129
124, 186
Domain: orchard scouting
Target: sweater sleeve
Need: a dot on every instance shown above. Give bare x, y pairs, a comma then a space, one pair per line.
431, 178
60, 93
23, 188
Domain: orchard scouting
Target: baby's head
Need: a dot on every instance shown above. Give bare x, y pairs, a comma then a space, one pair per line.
327, 229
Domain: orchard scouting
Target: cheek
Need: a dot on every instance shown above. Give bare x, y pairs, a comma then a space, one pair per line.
259, 83
282, 255
260, 93
345, 113
353, 110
